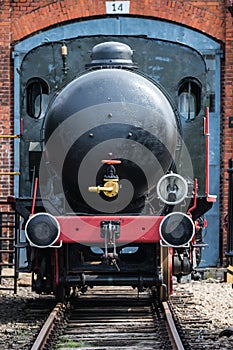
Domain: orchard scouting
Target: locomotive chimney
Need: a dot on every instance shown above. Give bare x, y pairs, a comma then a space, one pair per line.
111, 54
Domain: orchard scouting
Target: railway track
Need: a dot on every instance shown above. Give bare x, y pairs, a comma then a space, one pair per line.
196, 330
107, 319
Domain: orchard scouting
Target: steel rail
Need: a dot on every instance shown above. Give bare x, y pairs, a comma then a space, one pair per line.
47, 328
175, 338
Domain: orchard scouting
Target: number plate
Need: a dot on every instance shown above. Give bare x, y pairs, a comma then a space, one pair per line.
117, 7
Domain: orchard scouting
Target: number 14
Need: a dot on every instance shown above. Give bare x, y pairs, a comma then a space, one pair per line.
117, 7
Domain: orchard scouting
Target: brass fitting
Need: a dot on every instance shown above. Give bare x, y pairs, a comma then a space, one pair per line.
110, 188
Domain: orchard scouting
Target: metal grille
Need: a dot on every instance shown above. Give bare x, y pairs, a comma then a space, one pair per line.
8, 251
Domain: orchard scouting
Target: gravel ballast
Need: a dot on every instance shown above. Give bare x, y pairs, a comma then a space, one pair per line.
212, 299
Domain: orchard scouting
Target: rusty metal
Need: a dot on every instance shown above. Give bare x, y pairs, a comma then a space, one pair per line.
174, 335
47, 328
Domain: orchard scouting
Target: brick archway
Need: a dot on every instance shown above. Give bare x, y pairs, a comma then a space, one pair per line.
69, 10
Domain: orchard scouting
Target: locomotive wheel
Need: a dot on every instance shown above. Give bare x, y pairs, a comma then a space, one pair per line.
166, 269
59, 289
177, 265
186, 267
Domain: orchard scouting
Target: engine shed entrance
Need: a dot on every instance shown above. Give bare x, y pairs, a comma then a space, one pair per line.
162, 50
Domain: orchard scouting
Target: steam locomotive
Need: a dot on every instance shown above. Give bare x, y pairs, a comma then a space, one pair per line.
119, 191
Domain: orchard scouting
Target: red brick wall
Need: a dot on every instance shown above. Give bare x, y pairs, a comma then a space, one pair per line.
22, 18
29, 17
227, 111
6, 115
